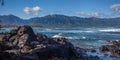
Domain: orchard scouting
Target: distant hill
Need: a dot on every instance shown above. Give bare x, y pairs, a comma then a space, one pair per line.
62, 20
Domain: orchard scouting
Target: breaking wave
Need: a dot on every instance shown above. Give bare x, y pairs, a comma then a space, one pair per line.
110, 30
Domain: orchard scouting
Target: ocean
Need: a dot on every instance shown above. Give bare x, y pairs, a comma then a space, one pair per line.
93, 37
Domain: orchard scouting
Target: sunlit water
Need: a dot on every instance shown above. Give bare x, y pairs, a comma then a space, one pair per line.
81, 37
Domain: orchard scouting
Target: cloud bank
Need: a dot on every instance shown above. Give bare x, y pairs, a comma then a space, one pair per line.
84, 14
93, 14
34, 11
115, 12
116, 8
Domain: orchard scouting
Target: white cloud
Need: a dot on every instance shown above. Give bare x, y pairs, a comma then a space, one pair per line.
84, 14
32, 11
93, 14
27, 10
115, 7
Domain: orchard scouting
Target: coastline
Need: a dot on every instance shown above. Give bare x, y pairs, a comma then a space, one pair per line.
50, 43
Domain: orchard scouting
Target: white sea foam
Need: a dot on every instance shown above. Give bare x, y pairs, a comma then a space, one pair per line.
76, 38
83, 37
47, 29
79, 31
60, 35
109, 30
72, 37
83, 31
67, 31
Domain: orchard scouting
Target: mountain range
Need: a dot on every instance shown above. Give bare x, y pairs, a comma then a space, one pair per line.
61, 20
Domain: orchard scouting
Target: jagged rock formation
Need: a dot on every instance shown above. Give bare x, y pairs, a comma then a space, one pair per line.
24, 44
114, 49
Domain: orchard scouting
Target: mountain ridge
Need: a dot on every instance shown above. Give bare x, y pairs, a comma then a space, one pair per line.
61, 20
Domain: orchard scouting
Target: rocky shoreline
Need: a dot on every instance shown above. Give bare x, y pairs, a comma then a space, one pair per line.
113, 49
23, 44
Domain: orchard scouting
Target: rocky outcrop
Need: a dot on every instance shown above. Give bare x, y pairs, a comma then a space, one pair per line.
24, 44
114, 48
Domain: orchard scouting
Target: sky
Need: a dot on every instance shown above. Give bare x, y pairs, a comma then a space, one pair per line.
82, 8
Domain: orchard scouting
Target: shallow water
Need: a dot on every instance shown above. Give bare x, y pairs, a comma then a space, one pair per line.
81, 37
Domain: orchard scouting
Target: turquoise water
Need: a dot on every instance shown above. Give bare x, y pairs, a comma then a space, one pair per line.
81, 37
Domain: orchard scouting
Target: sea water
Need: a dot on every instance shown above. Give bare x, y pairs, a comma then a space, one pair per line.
93, 37
84, 37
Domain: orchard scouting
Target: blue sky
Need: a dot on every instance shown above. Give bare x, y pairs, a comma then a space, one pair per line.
81, 8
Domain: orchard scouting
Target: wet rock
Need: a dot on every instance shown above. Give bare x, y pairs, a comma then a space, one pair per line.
104, 49
116, 42
43, 39
115, 52
114, 49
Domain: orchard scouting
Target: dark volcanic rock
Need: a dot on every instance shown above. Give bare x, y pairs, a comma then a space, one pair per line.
116, 42
25, 29
4, 56
104, 48
114, 49
13, 32
24, 44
